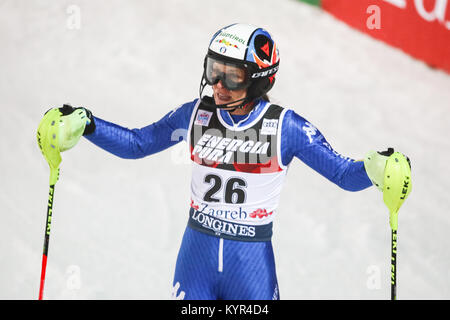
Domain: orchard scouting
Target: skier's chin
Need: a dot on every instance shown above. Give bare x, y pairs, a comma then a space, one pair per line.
222, 99
225, 100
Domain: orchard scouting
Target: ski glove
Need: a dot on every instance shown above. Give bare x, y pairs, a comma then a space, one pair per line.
375, 164
73, 123
68, 110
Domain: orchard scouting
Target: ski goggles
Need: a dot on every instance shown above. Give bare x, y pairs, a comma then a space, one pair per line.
234, 76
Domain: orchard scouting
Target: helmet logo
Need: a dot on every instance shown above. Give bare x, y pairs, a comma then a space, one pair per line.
265, 52
228, 44
232, 36
223, 49
265, 49
263, 63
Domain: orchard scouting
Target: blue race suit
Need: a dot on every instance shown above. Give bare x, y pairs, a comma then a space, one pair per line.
221, 265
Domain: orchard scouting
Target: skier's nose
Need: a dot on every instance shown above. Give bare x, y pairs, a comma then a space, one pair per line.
221, 86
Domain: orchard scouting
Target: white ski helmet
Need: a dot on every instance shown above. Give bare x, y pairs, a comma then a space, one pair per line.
249, 48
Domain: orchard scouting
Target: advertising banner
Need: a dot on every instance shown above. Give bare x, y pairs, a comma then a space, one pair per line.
421, 28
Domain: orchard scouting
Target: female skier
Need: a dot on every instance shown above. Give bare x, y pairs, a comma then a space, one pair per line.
240, 145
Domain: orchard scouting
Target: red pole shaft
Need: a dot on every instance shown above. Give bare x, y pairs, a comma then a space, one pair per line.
44, 267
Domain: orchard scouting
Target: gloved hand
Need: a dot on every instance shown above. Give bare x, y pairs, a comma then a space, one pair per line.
375, 164
73, 123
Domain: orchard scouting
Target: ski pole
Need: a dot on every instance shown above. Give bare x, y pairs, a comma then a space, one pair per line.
396, 188
47, 138
59, 130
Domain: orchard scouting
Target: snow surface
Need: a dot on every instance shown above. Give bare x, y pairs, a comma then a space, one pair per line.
117, 224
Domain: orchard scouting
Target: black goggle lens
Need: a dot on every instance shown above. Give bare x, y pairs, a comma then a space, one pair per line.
233, 76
